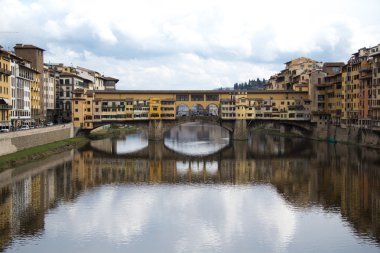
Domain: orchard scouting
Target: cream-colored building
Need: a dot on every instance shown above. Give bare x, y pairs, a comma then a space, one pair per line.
24, 78
50, 82
295, 76
5, 89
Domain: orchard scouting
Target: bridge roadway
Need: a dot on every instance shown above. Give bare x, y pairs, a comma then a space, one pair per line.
238, 128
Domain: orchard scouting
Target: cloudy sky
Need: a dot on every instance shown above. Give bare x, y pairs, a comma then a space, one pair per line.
189, 44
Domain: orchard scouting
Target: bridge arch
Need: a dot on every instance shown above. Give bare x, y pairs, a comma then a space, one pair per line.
182, 110
301, 128
197, 109
212, 110
212, 120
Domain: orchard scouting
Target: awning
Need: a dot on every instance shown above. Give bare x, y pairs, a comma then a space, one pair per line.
5, 101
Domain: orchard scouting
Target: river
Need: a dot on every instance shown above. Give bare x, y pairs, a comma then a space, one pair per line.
196, 191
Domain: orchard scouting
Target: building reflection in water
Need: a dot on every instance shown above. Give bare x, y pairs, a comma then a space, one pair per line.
337, 178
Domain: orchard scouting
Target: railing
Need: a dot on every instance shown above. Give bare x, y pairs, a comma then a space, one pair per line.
5, 107
5, 71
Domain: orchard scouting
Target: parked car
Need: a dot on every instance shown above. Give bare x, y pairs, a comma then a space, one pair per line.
25, 127
49, 124
4, 130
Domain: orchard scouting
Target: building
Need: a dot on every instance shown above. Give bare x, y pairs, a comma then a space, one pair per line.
35, 56
295, 76
110, 83
5, 89
24, 77
68, 82
95, 81
374, 85
51, 80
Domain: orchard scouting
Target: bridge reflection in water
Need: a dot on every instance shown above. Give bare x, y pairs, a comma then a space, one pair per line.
337, 178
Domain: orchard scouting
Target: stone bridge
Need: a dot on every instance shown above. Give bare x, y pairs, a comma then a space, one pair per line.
159, 111
238, 128
157, 128
234, 150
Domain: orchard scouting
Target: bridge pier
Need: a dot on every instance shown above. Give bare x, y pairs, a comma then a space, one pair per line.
155, 130
240, 131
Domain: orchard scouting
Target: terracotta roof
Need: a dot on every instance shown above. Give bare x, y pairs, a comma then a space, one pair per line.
178, 92
333, 64
108, 78
27, 46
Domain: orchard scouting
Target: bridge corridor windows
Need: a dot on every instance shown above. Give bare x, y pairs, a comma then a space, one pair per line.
181, 97
212, 97
197, 97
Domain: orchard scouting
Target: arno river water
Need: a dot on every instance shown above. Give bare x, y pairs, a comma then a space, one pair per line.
195, 192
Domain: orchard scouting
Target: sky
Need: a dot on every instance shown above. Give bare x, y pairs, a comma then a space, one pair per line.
189, 44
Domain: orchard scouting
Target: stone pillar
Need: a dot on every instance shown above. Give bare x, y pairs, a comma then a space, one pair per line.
155, 150
240, 162
155, 131
240, 130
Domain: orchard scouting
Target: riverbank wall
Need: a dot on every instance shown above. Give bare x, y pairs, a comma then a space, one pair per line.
349, 134
19, 140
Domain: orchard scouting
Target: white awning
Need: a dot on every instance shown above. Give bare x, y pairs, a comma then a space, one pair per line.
6, 101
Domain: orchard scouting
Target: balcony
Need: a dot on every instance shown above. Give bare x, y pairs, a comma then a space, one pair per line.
365, 75
5, 107
365, 68
5, 71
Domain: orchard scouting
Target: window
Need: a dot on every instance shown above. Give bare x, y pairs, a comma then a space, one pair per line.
212, 97
182, 97
196, 97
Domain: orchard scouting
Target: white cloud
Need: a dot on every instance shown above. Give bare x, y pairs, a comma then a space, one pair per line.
182, 71
162, 41
195, 219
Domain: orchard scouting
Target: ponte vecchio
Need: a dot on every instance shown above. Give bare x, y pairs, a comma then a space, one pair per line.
159, 110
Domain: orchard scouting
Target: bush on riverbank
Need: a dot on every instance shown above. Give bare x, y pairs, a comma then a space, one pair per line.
39, 152
112, 131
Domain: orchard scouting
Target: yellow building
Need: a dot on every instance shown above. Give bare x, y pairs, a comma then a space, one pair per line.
374, 90
5, 90
154, 108
351, 93
168, 110
35, 97
241, 104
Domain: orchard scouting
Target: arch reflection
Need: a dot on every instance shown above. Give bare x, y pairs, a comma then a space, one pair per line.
196, 139
336, 178
121, 145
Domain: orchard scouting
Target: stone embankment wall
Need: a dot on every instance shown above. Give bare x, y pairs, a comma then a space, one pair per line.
324, 131
353, 135
19, 140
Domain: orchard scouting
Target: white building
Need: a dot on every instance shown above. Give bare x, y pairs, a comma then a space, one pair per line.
21, 78
50, 82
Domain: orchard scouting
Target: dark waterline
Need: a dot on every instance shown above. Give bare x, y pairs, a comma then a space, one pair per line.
195, 192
